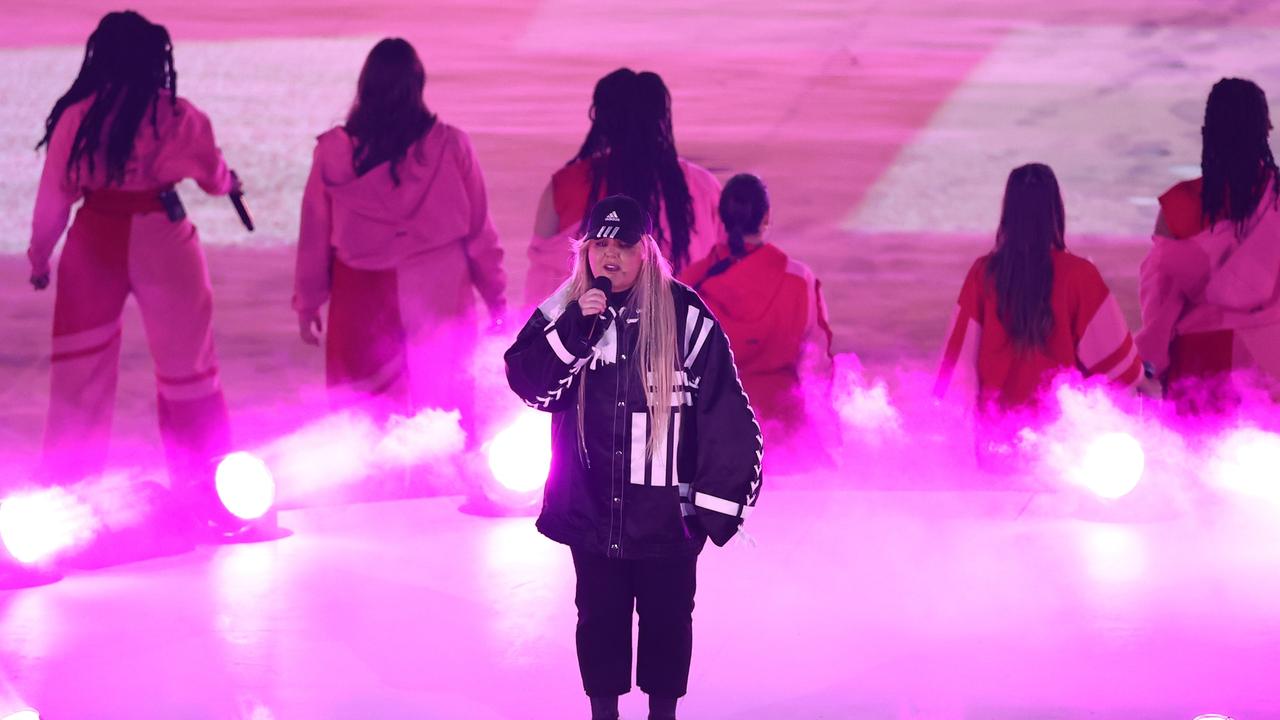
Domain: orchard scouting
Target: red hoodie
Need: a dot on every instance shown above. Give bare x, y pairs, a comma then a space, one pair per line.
772, 311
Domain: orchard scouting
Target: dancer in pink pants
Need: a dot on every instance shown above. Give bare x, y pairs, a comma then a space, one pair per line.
119, 139
396, 237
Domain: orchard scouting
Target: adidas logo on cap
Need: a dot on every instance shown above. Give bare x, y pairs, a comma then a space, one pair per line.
612, 217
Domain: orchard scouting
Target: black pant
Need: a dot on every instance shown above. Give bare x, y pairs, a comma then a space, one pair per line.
661, 591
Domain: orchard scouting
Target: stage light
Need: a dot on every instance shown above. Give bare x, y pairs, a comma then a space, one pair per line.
518, 459
36, 526
1110, 466
24, 536
245, 486
23, 715
1245, 462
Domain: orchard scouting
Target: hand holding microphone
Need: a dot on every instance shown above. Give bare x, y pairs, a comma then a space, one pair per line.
595, 300
593, 303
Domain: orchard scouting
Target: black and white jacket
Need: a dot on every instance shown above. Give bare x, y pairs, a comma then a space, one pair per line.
703, 480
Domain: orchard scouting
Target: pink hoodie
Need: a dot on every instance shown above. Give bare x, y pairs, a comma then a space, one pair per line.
1214, 281
437, 217
182, 146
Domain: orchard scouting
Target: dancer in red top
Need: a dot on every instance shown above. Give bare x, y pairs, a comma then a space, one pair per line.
1030, 309
120, 138
630, 149
1211, 283
770, 306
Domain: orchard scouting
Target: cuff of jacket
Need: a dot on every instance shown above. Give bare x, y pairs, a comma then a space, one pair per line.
719, 517
566, 338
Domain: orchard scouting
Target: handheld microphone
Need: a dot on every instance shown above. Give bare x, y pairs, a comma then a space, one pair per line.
237, 200
604, 285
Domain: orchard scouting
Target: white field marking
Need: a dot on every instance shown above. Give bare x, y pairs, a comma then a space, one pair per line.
1114, 111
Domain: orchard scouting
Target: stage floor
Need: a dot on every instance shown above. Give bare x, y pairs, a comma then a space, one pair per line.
850, 605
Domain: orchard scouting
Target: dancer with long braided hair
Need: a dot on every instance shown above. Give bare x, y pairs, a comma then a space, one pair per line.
119, 139
1210, 286
629, 150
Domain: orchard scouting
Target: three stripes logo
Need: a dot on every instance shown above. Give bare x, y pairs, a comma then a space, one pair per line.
609, 231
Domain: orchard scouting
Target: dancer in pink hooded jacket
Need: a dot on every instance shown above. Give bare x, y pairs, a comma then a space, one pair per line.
396, 237
1210, 287
120, 138
631, 150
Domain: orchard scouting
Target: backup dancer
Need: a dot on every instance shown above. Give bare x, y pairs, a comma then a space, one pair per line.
1030, 310
771, 308
119, 139
396, 237
655, 449
631, 150
1211, 284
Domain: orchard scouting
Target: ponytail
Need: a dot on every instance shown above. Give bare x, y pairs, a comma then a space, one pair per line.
743, 204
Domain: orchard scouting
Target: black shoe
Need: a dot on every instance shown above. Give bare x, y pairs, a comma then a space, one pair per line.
604, 708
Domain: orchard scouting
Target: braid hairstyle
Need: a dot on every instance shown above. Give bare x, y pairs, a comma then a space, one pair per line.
611, 104
127, 66
632, 151
1236, 159
1032, 226
743, 204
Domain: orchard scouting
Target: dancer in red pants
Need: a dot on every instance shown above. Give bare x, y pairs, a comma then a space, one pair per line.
119, 139
396, 237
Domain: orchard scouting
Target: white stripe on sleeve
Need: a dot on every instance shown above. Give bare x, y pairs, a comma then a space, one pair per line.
720, 505
553, 339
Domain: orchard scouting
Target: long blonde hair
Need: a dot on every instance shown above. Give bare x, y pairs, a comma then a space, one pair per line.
652, 302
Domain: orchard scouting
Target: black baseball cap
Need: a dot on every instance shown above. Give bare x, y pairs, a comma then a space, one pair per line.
618, 217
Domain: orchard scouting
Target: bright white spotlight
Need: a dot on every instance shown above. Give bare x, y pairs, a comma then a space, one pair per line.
23, 715
1245, 461
1110, 466
36, 526
520, 456
245, 486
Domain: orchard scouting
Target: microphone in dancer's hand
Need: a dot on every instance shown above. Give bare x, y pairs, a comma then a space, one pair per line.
604, 285
237, 199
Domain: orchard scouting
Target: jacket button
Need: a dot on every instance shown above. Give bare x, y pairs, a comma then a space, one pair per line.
614, 546
617, 500
622, 404
624, 357
619, 453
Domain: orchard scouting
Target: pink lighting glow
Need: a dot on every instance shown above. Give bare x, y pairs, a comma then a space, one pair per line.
245, 486
519, 456
1111, 465
1247, 461
36, 527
